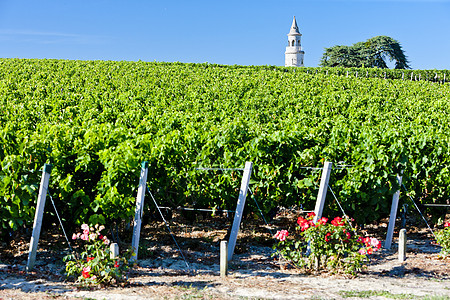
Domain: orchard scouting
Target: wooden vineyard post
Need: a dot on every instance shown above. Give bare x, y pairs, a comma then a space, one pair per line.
239, 208
139, 209
393, 215
322, 190
38, 216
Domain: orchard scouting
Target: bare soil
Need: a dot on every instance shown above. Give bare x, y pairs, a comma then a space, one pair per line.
162, 273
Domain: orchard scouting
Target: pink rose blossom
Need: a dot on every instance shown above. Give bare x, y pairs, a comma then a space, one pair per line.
375, 243
281, 235
85, 227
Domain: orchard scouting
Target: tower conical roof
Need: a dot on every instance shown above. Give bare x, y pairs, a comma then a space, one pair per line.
294, 28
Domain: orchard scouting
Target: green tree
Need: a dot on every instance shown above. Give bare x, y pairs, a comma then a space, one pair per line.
374, 52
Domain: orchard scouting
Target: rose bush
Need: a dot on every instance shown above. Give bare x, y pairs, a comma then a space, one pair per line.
443, 239
320, 245
94, 266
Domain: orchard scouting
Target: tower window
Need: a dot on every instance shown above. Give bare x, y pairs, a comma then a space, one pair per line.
293, 43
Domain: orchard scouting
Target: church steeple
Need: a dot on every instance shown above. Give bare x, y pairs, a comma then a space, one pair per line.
294, 28
294, 53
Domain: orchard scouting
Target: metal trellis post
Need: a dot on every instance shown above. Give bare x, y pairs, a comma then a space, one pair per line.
322, 190
239, 208
38, 216
393, 214
139, 209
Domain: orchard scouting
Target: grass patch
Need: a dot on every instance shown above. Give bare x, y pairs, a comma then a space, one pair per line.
386, 294
192, 293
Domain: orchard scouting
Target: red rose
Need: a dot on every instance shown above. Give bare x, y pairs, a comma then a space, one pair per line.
311, 215
85, 272
322, 220
300, 221
338, 221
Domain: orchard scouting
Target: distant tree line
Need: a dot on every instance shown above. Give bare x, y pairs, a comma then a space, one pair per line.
373, 53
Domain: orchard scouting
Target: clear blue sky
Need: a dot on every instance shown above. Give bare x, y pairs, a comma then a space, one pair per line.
223, 32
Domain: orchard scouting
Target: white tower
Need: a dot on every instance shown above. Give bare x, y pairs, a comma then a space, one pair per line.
293, 57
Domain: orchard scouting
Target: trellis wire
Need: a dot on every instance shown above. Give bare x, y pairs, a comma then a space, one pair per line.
260, 211
198, 209
438, 205
406, 190
219, 169
321, 168
168, 227
311, 168
344, 166
60, 222
340, 206
304, 211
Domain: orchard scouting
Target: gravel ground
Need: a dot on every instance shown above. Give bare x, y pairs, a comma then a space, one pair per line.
253, 275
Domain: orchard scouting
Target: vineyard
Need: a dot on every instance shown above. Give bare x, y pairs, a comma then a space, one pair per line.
96, 121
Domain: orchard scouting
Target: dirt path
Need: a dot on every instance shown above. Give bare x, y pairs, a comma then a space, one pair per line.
253, 275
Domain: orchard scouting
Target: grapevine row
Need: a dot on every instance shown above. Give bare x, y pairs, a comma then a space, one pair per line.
96, 121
